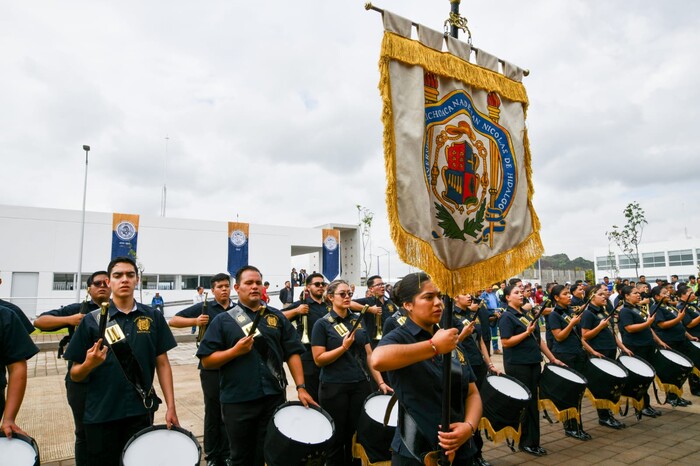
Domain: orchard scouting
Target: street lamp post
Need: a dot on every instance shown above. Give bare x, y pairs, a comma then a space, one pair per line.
79, 279
388, 260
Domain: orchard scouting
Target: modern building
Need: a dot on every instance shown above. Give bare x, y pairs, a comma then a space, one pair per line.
39, 254
655, 260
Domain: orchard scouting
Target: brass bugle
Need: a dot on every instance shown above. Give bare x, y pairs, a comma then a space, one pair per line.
202, 328
103, 322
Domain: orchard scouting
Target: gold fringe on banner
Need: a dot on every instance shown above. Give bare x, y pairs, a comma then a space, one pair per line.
669, 388
696, 371
602, 404
416, 251
358, 451
637, 404
565, 415
507, 433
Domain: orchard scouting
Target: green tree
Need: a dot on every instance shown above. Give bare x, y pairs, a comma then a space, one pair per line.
365, 217
629, 236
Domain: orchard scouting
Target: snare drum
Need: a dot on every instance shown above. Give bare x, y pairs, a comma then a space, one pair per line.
694, 354
160, 446
672, 370
373, 440
561, 391
297, 435
640, 374
606, 379
504, 399
20, 450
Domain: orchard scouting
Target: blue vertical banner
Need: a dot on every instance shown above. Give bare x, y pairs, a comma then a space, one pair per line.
237, 246
125, 234
331, 254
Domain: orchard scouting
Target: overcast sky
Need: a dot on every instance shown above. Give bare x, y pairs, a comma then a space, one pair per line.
273, 113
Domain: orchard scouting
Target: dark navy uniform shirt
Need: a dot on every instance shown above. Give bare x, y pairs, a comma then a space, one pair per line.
110, 395
213, 310
691, 313
605, 340
628, 316
419, 389
19, 313
471, 344
397, 319
370, 320
351, 366
558, 320
316, 312
247, 377
527, 351
15, 343
675, 333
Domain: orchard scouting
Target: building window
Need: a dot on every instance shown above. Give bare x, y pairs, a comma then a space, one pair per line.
189, 282
654, 259
149, 282
63, 281
682, 257
604, 263
166, 282
626, 262
205, 281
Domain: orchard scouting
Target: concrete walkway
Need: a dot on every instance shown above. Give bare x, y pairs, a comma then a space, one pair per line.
672, 438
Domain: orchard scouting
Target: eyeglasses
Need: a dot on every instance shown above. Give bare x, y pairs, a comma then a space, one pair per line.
378, 284
343, 294
319, 284
100, 283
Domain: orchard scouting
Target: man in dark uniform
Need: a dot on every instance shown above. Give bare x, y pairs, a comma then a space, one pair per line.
116, 407
252, 376
313, 308
380, 308
216, 449
15, 348
70, 316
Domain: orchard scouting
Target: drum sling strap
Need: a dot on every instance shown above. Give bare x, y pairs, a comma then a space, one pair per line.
130, 366
399, 317
272, 364
342, 330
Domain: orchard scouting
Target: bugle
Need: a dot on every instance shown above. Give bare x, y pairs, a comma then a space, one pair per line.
103, 322
305, 323
202, 328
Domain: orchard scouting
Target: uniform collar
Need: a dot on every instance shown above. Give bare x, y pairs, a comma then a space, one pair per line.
414, 329
114, 310
336, 316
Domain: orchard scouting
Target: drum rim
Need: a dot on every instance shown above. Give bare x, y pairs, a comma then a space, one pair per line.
687, 359
644, 361
613, 361
157, 427
299, 403
30, 440
550, 364
512, 379
376, 394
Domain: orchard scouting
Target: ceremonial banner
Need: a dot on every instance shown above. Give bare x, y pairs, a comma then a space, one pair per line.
331, 253
125, 234
237, 246
459, 186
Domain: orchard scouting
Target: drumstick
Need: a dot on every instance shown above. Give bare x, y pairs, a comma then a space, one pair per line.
256, 321
357, 322
103, 322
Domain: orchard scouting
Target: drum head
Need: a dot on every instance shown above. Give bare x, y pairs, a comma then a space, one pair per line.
609, 367
676, 358
566, 373
508, 387
303, 425
18, 451
158, 446
636, 365
375, 407
695, 344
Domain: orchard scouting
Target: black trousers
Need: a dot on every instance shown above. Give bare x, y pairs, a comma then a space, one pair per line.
246, 425
529, 375
480, 372
76, 393
577, 362
311, 376
646, 353
344, 402
106, 440
215, 441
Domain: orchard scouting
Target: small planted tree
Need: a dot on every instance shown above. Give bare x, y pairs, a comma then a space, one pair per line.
629, 236
365, 217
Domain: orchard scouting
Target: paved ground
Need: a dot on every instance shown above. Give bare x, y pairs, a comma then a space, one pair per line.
672, 438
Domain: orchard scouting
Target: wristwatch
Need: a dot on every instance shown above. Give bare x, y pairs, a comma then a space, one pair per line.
301, 385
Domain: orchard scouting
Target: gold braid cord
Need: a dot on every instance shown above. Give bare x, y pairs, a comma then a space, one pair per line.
507, 433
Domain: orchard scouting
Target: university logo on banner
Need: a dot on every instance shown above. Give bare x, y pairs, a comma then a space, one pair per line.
125, 232
331, 253
237, 246
459, 188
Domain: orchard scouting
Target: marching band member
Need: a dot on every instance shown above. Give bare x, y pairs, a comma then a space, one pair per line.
304, 313
70, 316
636, 333
691, 321
398, 318
412, 357
380, 308
216, 448
115, 407
596, 330
252, 378
343, 357
522, 358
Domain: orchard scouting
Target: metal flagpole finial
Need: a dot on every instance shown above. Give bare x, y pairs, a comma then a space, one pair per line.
457, 22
